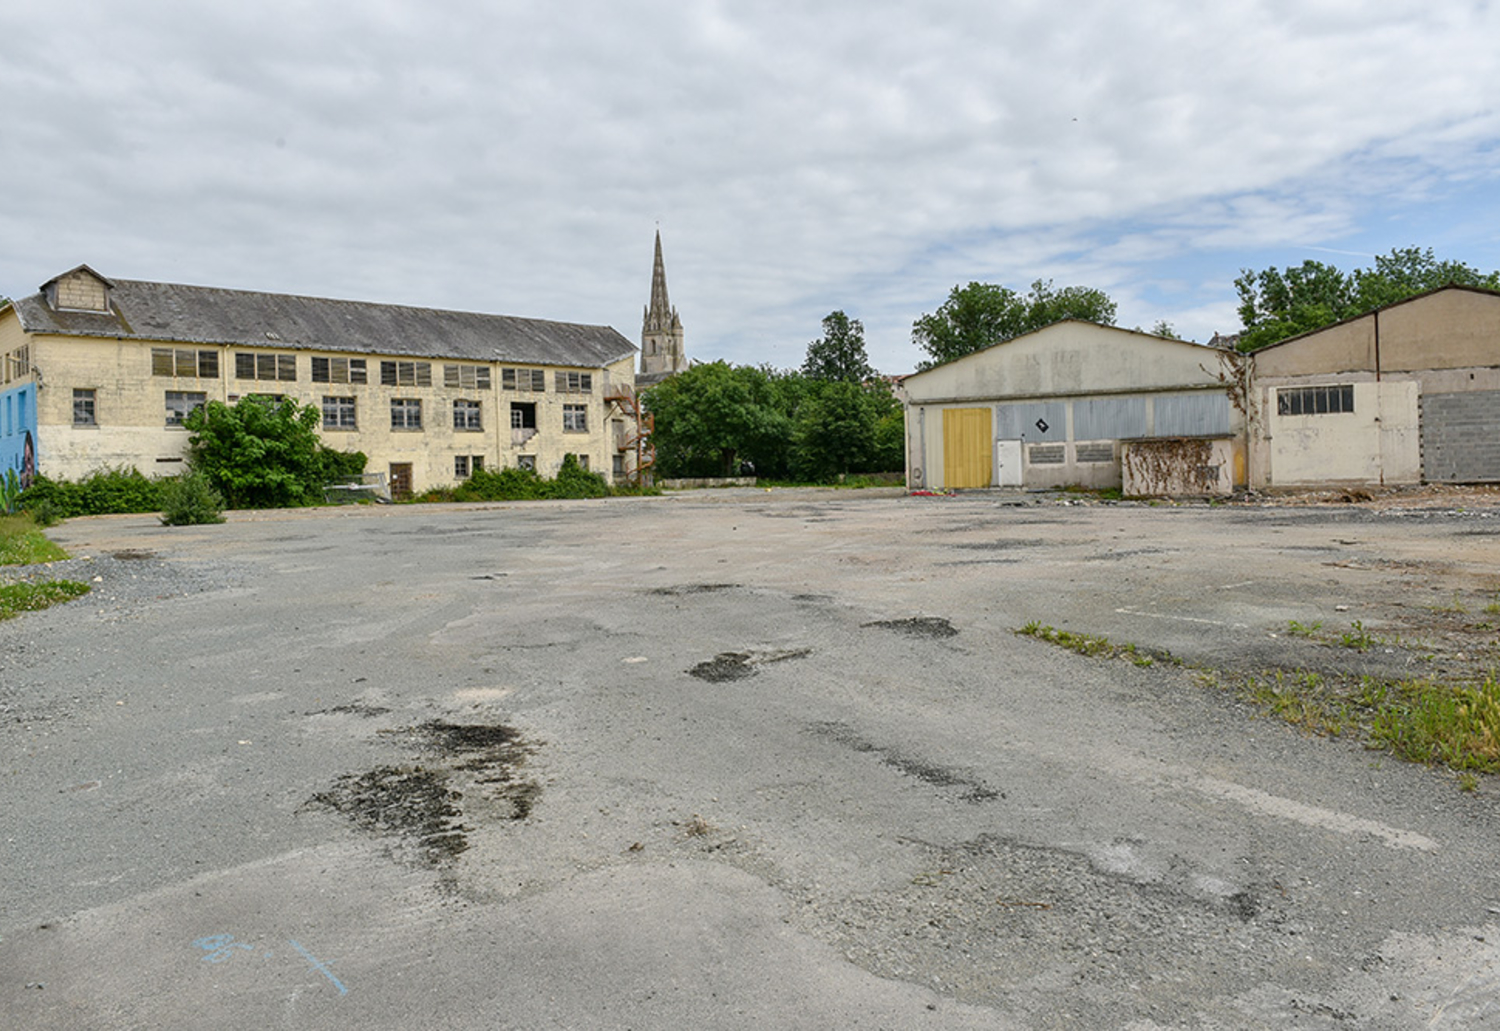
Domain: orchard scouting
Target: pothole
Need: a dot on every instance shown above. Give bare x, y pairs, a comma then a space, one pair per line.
727, 666
917, 626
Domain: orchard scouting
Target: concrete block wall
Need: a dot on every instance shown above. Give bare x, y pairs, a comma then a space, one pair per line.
1461, 437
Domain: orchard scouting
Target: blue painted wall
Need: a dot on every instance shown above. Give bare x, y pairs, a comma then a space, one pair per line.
18, 432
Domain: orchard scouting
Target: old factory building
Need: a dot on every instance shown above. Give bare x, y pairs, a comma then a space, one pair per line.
102, 372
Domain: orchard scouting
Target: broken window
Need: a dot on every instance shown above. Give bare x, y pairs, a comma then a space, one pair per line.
406, 413
406, 374
168, 361
467, 377
466, 415
83, 408
338, 370
281, 367
181, 402
534, 380
574, 383
526, 462
575, 418
1329, 400
338, 413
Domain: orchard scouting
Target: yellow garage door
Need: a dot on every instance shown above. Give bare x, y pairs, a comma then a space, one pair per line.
966, 447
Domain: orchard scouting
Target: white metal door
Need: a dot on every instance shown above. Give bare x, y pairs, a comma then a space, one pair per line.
1008, 463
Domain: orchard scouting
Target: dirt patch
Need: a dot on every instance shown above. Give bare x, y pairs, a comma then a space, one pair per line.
132, 554
728, 666
917, 626
473, 771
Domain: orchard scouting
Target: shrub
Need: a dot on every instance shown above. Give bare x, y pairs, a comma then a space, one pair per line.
265, 454
102, 492
44, 513
190, 500
574, 481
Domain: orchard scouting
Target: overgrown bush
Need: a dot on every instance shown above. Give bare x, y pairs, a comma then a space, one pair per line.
190, 500
261, 453
573, 481
101, 492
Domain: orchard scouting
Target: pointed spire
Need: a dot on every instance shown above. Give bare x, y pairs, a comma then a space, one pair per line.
660, 313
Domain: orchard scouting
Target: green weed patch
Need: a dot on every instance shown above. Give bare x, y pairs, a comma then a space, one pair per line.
33, 597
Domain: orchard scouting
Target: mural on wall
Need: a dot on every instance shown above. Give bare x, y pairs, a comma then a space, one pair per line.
18, 432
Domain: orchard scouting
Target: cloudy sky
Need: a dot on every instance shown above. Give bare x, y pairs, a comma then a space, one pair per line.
517, 157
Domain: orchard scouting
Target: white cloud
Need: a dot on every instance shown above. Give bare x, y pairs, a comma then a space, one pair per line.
515, 157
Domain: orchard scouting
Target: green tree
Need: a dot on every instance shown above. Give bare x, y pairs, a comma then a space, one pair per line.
839, 355
713, 416
981, 315
835, 432
1279, 303
264, 454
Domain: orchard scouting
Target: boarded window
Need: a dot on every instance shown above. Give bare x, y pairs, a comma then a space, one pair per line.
1047, 454
1096, 451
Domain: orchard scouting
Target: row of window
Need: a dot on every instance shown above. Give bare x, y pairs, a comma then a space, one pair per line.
15, 364
339, 413
204, 364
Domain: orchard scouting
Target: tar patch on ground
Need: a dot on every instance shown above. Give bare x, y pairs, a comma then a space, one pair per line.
917, 626
351, 709
1002, 545
728, 666
468, 773
130, 554
938, 776
681, 589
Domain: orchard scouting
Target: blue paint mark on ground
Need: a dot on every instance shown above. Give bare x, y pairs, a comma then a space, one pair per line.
321, 968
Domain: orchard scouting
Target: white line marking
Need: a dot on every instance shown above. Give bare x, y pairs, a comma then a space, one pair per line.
1182, 619
1312, 816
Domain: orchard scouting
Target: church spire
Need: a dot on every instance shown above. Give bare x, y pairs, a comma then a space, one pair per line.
661, 330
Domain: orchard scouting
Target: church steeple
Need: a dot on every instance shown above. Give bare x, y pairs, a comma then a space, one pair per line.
661, 330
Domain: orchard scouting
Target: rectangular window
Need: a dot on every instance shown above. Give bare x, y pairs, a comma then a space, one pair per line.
583, 462
338, 413
1329, 400
338, 370
181, 402
466, 415
619, 465
83, 408
277, 367
168, 361
534, 380
575, 418
467, 377
461, 467
406, 413
406, 374
575, 382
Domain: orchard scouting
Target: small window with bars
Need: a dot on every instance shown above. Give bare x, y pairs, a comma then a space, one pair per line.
1329, 400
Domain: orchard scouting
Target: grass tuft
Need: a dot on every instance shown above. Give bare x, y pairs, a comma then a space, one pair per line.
33, 597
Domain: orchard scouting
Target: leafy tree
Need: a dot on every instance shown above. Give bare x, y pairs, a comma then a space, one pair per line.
713, 416
1163, 328
1277, 304
264, 454
839, 355
835, 432
981, 315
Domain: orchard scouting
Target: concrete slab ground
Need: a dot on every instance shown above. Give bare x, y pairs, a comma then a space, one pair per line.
739, 759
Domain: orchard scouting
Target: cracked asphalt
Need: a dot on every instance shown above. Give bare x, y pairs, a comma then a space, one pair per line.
739, 759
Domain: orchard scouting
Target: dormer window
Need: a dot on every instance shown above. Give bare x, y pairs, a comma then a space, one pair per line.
83, 289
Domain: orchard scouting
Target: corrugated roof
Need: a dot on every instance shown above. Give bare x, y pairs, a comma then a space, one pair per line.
209, 315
